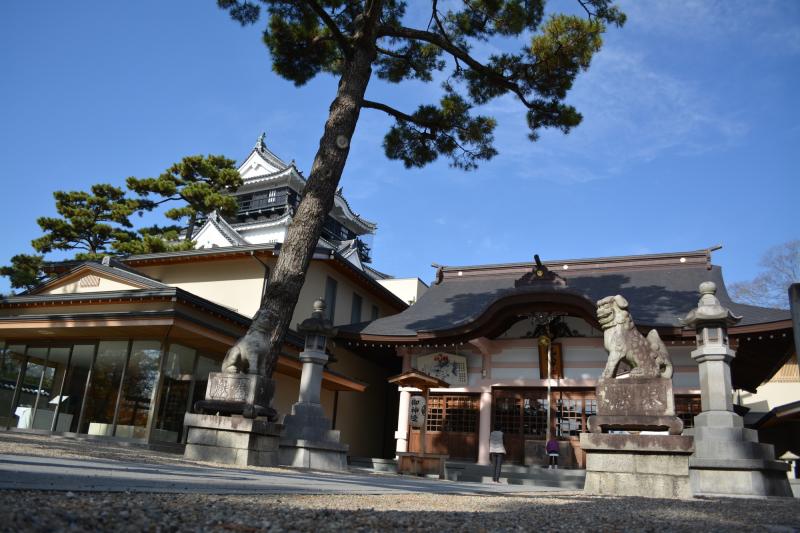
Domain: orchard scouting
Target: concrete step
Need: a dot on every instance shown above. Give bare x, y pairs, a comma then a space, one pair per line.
534, 476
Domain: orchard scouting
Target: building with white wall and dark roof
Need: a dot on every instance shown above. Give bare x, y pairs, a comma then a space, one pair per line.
479, 329
122, 348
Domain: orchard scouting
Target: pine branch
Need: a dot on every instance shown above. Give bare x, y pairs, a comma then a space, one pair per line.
326, 19
442, 42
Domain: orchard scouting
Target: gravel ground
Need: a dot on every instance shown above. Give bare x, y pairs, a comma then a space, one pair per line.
38, 445
58, 511
49, 511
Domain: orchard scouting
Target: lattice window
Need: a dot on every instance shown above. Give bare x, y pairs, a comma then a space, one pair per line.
686, 408
572, 411
457, 414
507, 414
534, 416
569, 418
435, 413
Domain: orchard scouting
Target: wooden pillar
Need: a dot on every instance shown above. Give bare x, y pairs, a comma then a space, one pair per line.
484, 427
401, 435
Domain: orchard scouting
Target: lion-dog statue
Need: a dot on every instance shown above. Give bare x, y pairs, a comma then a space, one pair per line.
647, 357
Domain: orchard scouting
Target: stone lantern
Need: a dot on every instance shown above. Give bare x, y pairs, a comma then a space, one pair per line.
308, 440
728, 459
316, 329
711, 320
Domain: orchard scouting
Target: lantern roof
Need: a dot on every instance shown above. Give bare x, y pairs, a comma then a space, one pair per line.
709, 310
317, 323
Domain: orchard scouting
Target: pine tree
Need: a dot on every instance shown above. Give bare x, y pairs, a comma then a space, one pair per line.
202, 184
357, 40
89, 221
25, 271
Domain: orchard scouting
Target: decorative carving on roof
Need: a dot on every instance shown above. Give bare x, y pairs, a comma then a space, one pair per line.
540, 274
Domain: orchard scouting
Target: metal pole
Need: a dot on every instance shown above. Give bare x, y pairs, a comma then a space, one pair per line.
155, 395
115, 419
86, 388
57, 411
39, 387
424, 428
549, 388
23, 366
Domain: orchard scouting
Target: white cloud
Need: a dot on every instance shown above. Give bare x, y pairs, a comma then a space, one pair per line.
772, 25
633, 113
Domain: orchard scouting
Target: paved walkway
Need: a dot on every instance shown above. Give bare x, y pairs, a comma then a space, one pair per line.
22, 472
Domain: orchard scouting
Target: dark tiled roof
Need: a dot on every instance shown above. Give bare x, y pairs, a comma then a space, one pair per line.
658, 295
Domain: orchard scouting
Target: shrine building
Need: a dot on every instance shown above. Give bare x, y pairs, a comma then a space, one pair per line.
481, 330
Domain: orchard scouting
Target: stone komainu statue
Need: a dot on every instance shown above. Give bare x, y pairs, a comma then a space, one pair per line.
647, 357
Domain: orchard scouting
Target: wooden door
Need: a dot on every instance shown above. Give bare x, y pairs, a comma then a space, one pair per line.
521, 414
451, 426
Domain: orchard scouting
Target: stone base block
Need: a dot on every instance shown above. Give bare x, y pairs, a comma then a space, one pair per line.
730, 482
308, 422
326, 456
729, 461
655, 466
231, 440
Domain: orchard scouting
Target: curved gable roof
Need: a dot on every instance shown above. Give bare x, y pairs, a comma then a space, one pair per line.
660, 290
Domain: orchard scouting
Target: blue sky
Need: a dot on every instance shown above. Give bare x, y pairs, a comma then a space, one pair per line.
690, 137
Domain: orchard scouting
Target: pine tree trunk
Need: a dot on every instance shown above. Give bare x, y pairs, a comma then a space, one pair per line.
190, 229
262, 343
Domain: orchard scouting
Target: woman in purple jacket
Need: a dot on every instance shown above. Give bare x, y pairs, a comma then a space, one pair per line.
552, 452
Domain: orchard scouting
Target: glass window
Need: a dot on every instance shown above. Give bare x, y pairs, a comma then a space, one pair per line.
330, 298
375, 312
33, 373
71, 397
507, 411
572, 411
686, 408
101, 398
355, 310
11, 361
205, 365
534, 417
137, 390
174, 393
57, 361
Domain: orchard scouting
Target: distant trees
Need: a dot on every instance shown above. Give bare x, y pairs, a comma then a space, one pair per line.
97, 222
781, 268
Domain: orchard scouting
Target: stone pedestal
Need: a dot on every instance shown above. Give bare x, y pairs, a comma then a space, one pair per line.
231, 440
729, 460
631, 464
644, 404
241, 394
654, 466
308, 441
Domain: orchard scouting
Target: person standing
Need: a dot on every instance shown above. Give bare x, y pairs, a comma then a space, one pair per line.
552, 452
496, 452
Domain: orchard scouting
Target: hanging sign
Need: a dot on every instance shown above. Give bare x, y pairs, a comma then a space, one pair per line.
445, 366
417, 411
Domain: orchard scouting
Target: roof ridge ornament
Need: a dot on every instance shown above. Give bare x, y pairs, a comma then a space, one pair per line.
540, 273
260, 144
